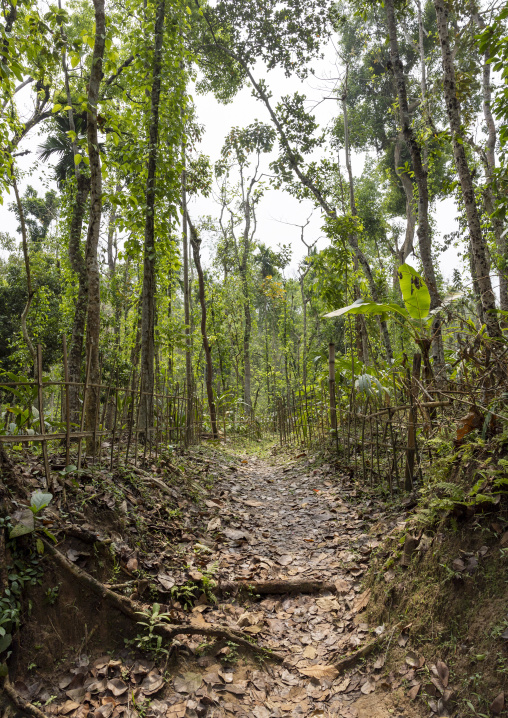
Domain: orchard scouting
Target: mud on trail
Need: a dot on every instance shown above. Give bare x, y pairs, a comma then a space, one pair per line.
287, 545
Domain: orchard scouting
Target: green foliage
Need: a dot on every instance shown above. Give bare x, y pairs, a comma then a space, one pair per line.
149, 641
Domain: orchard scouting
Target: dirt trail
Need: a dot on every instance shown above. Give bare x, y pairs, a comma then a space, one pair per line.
286, 523
262, 520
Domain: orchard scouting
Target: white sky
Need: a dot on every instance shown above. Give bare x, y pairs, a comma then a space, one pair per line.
277, 206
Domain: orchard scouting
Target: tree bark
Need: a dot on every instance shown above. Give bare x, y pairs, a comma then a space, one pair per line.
424, 239
353, 240
149, 278
93, 317
186, 304
26, 258
478, 244
406, 249
489, 161
196, 242
78, 266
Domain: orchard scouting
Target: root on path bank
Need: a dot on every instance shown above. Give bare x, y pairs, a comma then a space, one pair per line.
134, 611
20, 703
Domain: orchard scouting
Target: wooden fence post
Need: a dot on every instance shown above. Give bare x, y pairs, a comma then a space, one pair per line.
67, 404
411, 432
331, 387
41, 416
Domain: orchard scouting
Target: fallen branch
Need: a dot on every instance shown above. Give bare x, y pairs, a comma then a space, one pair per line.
275, 586
152, 481
20, 702
352, 658
85, 535
134, 610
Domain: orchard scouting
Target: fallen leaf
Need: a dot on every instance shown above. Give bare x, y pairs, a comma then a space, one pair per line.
320, 672
380, 661
309, 652
414, 691
152, 683
117, 686
68, 707
443, 672
414, 660
342, 587
188, 683
362, 601
497, 705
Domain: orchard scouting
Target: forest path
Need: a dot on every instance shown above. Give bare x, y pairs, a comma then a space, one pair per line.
293, 522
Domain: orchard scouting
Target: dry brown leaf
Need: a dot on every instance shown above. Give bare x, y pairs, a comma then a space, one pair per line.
68, 707
414, 691
320, 672
497, 705
152, 683
117, 686
188, 683
362, 601
328, 604
414, 660
342, 586
443, 673
309, 652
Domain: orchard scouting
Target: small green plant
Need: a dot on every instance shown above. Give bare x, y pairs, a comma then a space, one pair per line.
232, 655
185, 594
150, 641
30, 519
51, 595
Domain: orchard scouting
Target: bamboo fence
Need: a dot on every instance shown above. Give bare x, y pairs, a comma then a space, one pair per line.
36, 415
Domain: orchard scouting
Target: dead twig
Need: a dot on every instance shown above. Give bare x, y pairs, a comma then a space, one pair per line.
352, 658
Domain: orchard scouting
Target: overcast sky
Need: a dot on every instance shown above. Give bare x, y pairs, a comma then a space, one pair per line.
277, 209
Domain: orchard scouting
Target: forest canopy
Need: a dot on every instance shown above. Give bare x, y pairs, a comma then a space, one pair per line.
115, 258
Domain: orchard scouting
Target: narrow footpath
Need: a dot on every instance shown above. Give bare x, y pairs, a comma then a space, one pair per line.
288, 523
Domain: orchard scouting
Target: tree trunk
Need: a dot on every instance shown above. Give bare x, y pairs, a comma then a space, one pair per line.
26, 258
420, 172
478, 244
247, 397
407, 186
195, 242
489, 161
149, 279
78, 266
186, 304
93, 317
424, 237
362, 259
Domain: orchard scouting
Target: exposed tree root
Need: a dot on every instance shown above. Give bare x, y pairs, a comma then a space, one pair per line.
133, 609
276, 586
85, 535
20, 702
352, 658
